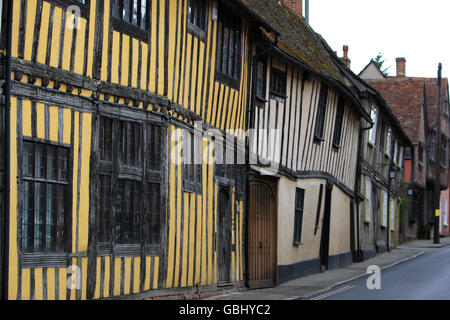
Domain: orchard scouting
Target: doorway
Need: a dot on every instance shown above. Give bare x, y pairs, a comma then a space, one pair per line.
262, 234
224, 237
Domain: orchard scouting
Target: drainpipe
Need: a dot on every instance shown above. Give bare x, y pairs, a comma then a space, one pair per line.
5, 240
307, 11
359, 256
250, 125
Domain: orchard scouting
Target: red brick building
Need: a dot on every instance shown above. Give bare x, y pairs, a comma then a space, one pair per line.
414, 101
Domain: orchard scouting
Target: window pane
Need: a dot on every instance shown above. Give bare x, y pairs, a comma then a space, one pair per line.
40, 169
61, 218
27, 216
226, 35
52, 163
63, 157
39, 217
126, 10
116, 8
134, 19
28, 159
153, 214
144, 14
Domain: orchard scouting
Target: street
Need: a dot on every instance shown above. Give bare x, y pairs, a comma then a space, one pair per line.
424, 278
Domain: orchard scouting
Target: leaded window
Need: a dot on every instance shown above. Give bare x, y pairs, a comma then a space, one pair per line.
228, 60
46, 195
338, 123
298, 218
129, 204
278, 82
321, 109
197, 13
192, 161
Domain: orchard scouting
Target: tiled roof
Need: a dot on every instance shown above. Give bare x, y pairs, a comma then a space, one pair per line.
406, 97
296, 38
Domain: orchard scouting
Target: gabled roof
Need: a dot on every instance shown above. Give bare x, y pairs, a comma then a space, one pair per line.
300, 44
407, 98
296, 38
373, 67
363, 88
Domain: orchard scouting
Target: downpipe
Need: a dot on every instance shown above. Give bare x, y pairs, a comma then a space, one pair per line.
358, 255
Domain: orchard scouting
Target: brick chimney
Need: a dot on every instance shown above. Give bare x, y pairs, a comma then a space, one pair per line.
401, 67
295, 5
345, 59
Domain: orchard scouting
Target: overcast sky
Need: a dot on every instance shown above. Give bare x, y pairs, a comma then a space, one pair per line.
416, 30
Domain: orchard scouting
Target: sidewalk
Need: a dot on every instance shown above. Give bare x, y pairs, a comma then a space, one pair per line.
309, 286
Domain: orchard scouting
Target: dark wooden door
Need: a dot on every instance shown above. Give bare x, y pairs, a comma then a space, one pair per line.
325, 237
262, 235
224, 238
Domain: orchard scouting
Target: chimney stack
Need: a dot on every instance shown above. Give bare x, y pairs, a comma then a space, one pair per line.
345, 49
295, 5
401, 67
345, 59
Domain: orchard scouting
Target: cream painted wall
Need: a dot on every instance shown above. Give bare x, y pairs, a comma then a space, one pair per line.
340, 222
288, 253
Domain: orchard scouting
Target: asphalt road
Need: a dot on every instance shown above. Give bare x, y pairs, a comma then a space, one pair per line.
424, 278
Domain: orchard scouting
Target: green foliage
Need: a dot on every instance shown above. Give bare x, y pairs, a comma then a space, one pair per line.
380, 61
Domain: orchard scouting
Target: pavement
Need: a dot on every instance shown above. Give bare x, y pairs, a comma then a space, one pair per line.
313, 285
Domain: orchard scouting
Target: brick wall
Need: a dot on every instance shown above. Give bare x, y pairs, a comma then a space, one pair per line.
295, 5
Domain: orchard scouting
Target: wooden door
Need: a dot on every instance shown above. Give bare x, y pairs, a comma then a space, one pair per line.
262, 235
326, 223
224, 238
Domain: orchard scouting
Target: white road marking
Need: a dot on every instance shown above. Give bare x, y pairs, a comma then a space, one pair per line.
331, 293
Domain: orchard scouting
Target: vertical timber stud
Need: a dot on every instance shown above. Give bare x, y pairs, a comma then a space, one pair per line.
6, 152
93, 190
437, 182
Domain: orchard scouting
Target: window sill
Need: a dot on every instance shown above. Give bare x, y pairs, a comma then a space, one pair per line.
130, 29
336, 148
370, 144
226, 80
127, 250
192, 187
196, 32
261, 99
318, 140
297, 244
45, 260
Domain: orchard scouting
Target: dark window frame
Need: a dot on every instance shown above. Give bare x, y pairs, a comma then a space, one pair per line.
340, 112
443, 149
321, 113
144, 175
192, 172
197, 10
298, 215
420, 153
261, 79
63, 198
382, 143
127, 26
232, 55
433, 145
278, 80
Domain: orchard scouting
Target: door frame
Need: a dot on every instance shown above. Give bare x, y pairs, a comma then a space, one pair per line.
326, 227
272, 183
228, 188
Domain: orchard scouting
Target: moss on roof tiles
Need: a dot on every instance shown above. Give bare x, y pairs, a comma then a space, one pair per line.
296, 38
